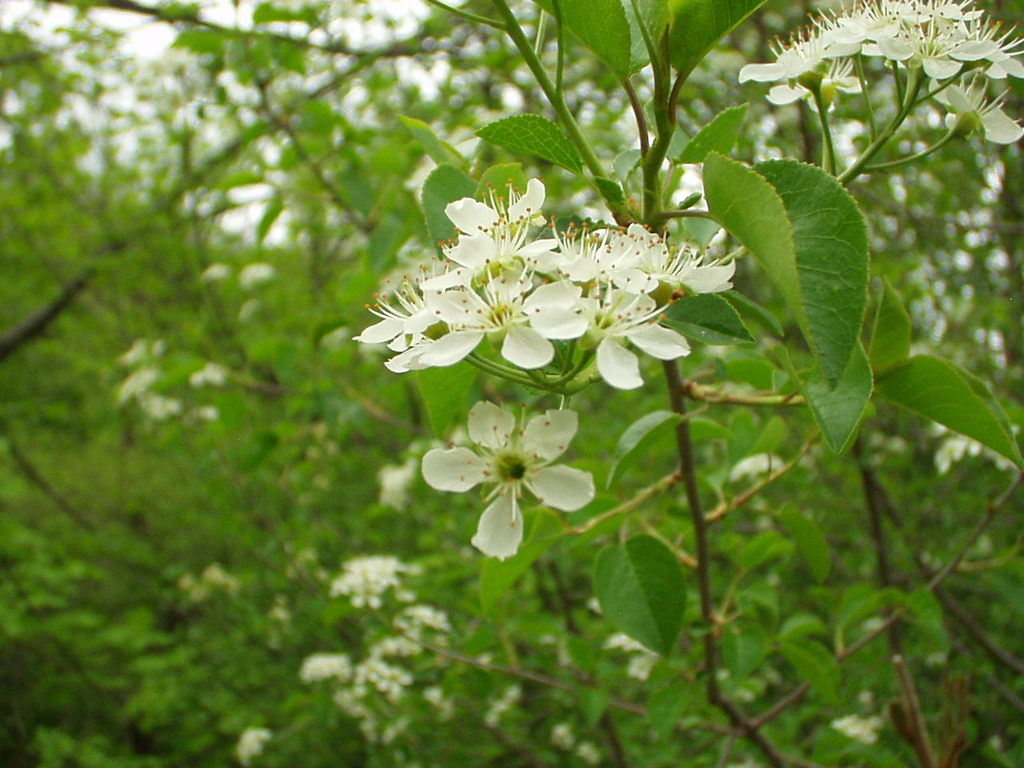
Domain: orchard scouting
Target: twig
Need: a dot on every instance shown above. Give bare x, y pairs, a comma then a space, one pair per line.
628, 506
910, 723
36, 323
36, 478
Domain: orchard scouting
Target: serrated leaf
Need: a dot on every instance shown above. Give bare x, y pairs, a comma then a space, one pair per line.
717, 136
445, 184
637, 437
533, 135
653, 16
498, 178
838, 410
611, 191
270, 214
642, 591
749, 308
444, 392
707, 318
815, 664
601, 25
890, 339
810, 541
440, 151
831, 242
498, 576
944, 393
695, 26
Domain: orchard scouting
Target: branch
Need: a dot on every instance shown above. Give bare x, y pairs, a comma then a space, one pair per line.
36, 323
36, 478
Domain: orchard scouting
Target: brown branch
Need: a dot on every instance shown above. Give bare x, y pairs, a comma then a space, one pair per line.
36, 478
36, 323
907, 716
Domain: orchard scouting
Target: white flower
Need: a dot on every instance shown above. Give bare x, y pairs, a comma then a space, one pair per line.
326, 666
436, 698
862, 729
365, 579
405, 319
588, 753
211, 374
754, 467
215, 272
972, 110
497, 236
416, 619
562, 736
393, 646
801, 56
385, 678
207, 413
159, 407
684, 269
136, 384
838, 77
251, 744
623, 316
610, 256
504, 703
512, 460
255, 274
142, 351
622, 642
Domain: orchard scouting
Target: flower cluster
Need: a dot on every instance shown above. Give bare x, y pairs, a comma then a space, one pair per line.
941, 39
512, 460
602, 290
365, 580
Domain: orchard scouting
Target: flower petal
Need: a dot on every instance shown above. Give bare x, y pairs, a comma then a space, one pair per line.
547, 435
659, 342
562, 487
449, 349
500, 530
785, 94
471, 216
999, 128
490, 425
453, 469
529, 205
380, 332
473, 251
526, 348
618, 366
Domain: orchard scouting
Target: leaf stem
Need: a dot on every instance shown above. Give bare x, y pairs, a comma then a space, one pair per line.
467, 15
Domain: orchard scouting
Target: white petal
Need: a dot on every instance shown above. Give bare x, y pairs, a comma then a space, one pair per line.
940, 69
528, 205
473, 251
972, 50
409, 360
456, 307
618, 366
471, 216
558, 323
562, 487
454, 469
526, 348
548, 435
380, 332
1001, 129
500, 530
451, 348
490, 425
657, 341
785, 94
711, 279
762, 73
457, 277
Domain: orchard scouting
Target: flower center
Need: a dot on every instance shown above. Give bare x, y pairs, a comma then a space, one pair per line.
510, 467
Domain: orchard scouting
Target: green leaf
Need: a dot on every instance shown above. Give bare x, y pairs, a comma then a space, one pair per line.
602, 26
440, 151
444, 392
444, 185
815, 664
944, 393
317, 117
890, 339
498, 178
695, 26
498, 576
625, 163
810, 541
743, 650
750, 309
264, 13
763, 548
533, 135
838, 410
707, 318
270, 214
666, 706
928, 616
642, 592
611, 191
200, 40
717, 136
653, 16
831, 243
638, 437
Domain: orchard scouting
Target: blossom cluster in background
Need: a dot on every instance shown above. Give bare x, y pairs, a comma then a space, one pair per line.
603, 290
942, 39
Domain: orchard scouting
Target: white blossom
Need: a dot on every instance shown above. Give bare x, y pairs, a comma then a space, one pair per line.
862, 729
971, 108
136, 384
512, 460
415, 620
211, 375
385, 678
251, 744
395, 480
588, 753
326, 666
255, 274
562, 736
364, 580
215, 272
503, 704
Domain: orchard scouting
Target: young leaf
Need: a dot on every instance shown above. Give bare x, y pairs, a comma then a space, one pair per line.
637, 437
533, 135
942, 392
890, 339
815, 664
445, 184
810, 541
695, 26
440, 151
270, 214
831, 243
708, 318
444, 392
498, 576
717, 136
642, 591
